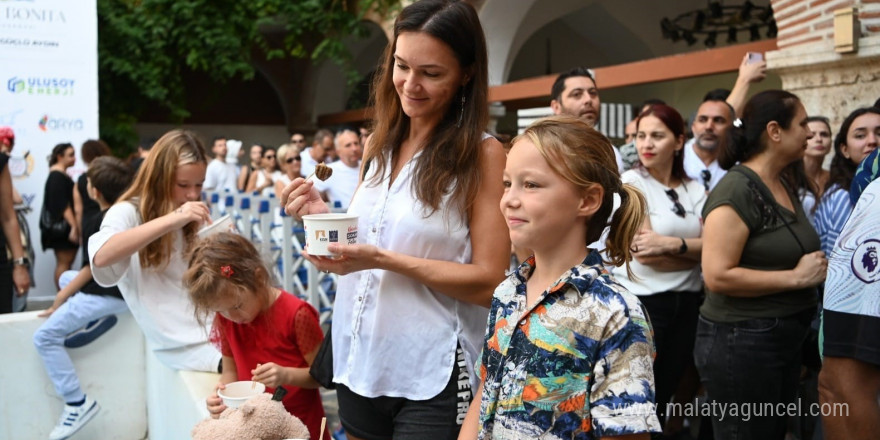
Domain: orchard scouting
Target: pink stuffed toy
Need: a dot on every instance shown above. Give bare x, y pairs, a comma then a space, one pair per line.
260, 418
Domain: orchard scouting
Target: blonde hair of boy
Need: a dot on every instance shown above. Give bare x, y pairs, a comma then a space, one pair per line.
584, 157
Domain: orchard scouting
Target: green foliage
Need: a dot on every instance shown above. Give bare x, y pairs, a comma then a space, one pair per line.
144, 47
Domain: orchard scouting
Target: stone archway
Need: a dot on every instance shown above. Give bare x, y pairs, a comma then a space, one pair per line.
331, 92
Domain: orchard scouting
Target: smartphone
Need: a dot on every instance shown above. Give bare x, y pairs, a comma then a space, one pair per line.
755, 57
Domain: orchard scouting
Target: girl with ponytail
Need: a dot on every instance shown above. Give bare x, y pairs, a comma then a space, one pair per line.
560, 324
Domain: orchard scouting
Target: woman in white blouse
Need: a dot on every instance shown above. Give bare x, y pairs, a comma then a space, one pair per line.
410, 310
667, 250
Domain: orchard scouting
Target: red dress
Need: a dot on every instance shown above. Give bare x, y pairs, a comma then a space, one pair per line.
273, 337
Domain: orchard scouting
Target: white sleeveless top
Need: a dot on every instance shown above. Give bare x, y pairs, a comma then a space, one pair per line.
392, 335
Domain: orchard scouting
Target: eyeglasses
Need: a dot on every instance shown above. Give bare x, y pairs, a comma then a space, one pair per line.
706, 175
294, 158
677, 208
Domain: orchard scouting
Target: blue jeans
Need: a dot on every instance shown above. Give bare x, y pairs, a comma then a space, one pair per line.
75, 313
749, 367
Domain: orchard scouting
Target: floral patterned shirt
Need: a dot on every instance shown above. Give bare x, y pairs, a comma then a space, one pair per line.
576, 365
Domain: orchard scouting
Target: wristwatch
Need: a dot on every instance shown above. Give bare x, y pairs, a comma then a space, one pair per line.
684, 246
23, 261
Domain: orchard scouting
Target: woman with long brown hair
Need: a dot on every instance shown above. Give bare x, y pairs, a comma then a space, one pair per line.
410, 309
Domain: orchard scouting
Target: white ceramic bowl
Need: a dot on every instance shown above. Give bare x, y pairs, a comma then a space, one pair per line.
323, 229
237, 393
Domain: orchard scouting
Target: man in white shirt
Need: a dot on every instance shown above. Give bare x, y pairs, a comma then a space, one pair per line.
317, 153
220, 175
713, 121
574, 93
711, 125
339, 188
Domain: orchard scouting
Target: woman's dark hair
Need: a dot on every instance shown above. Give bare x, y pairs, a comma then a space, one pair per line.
58, 151
672, 119
821, 119
450, 158
94, 148
747, 136
843, 168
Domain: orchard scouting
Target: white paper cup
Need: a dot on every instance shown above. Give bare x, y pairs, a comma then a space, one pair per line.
222, 224
324, 229
237, 393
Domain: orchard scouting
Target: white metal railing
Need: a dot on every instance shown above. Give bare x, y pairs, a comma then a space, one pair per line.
279, 239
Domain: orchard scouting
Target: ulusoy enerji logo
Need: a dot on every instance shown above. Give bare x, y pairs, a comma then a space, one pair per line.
48, 123
41, 85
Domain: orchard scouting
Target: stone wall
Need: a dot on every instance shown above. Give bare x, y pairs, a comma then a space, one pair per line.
828, 83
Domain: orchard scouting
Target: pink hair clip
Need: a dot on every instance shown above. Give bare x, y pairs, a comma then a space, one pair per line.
227, 271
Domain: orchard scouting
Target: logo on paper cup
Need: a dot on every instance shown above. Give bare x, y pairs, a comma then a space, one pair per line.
329, 228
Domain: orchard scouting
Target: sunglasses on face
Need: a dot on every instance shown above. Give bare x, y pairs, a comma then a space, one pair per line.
677, 207
294, 158
298, 141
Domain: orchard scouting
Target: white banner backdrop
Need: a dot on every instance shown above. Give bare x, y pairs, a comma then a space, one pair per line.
49, 95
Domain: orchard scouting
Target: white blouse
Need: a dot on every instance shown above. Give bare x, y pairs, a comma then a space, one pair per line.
392, 335
664, 221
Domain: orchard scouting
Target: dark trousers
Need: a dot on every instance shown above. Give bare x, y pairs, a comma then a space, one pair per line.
674, 320
6, 288
748, 368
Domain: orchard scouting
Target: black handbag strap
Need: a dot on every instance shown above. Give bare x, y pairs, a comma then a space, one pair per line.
772, 203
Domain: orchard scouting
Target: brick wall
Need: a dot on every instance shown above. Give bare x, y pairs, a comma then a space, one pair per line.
808, 21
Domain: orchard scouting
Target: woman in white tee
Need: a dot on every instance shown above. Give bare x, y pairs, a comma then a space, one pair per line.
667, 250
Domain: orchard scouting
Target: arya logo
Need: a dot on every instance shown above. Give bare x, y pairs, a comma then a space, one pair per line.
47, 124
47, 86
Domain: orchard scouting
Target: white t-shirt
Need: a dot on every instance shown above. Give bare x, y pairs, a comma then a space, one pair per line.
341, 184
853, 268
156, 297
308, 164
392, 335
664, 221
694, 166
221, 176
